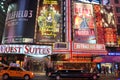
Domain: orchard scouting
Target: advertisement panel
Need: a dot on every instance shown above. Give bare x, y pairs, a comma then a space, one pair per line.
90, 1
83, 26
99, 25
108, 21
49, 27
20, 21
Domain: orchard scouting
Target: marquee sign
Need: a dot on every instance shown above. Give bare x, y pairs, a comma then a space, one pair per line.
26, 49
80, 46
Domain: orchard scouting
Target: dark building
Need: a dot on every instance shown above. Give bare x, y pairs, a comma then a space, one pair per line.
3, 11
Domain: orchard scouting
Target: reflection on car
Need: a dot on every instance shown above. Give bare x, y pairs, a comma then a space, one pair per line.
15, 72
73, 74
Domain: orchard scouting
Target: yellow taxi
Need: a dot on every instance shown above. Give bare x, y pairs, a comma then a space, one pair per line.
15, 72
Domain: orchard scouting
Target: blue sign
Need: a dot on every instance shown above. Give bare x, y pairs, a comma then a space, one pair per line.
114, 54
90, 1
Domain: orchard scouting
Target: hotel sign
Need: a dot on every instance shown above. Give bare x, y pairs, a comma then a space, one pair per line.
26, 49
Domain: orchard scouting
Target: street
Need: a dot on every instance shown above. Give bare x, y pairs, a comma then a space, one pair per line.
102, 77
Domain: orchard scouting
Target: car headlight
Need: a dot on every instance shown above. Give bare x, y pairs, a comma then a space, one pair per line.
32, 73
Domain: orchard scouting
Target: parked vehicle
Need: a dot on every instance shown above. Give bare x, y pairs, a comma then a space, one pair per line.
15, 72
73, 74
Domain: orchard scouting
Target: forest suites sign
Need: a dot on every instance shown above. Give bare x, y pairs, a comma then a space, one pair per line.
26, 49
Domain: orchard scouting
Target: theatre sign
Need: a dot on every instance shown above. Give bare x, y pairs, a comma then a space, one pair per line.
26, 49
93, 49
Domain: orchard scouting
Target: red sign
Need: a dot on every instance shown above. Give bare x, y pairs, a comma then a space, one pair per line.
80, 46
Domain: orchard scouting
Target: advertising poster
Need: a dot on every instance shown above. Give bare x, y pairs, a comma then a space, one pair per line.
49, 21
99, 25
20, 21
90, 1
83, 23
109, 25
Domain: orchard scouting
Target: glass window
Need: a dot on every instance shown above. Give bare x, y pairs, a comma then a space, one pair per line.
118, 9
116, 1
13, 68
118, 29
19, 69
5, 68
118, 19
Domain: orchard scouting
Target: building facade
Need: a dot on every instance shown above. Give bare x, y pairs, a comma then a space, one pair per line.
68, 33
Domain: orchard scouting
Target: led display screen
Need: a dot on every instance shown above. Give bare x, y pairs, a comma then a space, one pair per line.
20, 21
49, 21
83, 26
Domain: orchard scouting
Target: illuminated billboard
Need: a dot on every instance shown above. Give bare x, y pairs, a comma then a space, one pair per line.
89, 1
105, 25
99, 25
26, 49
20, 21
83, 23
108, 21
49, 17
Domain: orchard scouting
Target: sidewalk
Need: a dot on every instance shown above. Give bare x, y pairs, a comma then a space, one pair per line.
108, 77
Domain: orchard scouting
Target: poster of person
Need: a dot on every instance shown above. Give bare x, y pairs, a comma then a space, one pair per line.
108, 19
110, 29
20, 22
49, 21
84, 28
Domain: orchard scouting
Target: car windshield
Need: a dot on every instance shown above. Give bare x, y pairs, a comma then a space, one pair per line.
23, 69
5, 68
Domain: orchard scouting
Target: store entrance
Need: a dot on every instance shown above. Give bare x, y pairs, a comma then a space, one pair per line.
37, 64
106, 68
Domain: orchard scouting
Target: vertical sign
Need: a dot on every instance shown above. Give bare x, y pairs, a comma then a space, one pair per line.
83, 26
20, 21
99, 26
49, 21
110, 30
